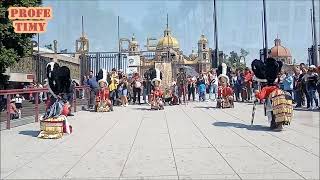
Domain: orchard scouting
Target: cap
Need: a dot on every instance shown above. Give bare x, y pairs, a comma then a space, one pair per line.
313, 66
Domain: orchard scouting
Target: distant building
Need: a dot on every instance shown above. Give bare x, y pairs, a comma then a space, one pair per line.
27, 70
280, 52
169, 58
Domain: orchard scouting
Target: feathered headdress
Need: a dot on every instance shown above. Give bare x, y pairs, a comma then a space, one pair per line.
59, 79
222, 73
102, 76
156, 75
268, 70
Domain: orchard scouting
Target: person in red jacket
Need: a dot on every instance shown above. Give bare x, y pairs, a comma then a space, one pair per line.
248, 75
278, 103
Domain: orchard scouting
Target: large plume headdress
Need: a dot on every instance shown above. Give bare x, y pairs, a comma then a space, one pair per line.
59, 79
222, 73
156, 76
102, 76
268, 70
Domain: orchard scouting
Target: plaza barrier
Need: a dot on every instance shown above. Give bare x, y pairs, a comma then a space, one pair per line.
35, 102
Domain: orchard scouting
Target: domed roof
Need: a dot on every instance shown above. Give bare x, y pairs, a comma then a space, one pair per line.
203, 39
167, 41
278, 50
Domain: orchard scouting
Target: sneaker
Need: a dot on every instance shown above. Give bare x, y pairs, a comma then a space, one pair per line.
310, 108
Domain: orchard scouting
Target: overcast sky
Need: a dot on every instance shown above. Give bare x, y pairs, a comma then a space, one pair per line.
239, 23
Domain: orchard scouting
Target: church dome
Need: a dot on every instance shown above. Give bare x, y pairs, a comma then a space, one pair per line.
167, 41
278, 50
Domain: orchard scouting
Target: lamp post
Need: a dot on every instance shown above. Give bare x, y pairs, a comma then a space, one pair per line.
215, 35
119, 54
265, 31
315, 44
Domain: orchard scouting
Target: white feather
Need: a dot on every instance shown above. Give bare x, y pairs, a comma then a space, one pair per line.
224, 69
104, 77
157, 73
51, 65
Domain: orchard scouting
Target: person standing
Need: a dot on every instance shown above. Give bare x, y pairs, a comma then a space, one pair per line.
281, 78
288, 83
213, 86
113, 86
248, 83
182, 83
202, 91
94, 87
297, 88
18, 102
84, 83
191, 89
136, 84
312, 79
124, 91
304, 79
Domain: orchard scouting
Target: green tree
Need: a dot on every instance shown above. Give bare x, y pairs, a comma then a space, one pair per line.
244, 54
233, 61
13, 46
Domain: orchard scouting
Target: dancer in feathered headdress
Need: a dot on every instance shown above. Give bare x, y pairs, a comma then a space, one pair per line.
54, 123
225, 92
103, 103
278, 105
156, 93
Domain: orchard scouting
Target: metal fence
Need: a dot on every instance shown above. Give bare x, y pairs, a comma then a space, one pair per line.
105, 60
34, 104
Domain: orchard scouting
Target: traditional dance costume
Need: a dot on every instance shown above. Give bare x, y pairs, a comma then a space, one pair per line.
55, 123
225, 92
278, 103
156, 94
103, 103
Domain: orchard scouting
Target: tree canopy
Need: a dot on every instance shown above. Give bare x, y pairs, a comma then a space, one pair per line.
13, 46
233, 59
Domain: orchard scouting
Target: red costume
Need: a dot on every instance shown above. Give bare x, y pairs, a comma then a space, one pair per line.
265, 92
225, 91
157, 92
102, 95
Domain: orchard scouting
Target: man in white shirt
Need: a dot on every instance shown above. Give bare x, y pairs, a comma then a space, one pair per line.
18, 102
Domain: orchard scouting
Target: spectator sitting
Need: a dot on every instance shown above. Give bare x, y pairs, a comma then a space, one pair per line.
168, 96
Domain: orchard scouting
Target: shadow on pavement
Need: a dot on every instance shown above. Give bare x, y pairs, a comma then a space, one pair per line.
30, 133
206, 107
239, 125
313, 110
142, 108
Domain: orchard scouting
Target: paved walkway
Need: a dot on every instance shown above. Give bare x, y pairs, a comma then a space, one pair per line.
193, 141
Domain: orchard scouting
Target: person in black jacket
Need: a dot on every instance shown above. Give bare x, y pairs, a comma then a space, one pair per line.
312, 78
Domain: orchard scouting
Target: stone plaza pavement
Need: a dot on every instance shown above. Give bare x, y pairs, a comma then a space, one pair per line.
193, 141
